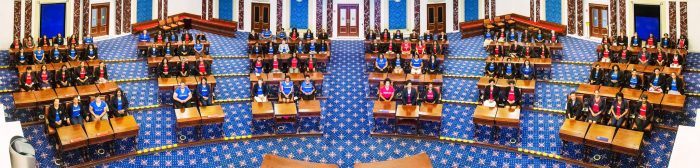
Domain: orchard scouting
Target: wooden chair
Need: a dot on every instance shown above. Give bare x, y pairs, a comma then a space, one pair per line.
171, 23
49, 130
178, 21
487, 24
163, 25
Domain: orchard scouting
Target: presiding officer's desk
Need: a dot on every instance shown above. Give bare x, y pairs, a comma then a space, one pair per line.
573, 131
273, 161
420, 160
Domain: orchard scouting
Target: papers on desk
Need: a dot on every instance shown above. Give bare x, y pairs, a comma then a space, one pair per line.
605, 139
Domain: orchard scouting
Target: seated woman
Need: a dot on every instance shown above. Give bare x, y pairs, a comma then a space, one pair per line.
527, 71
441, 37
420, 48
200, 49
308, 35
258, 66
87, 40
431, 94
270, 48
16, 44
573, 107
281, 34
554, 37
168, 50
154, 51
614, 77
205, 93
63, 77
82, 75
253, 35
433, 66
57, 115
488, 38
165, 69
416, 64
381, 64
284, 47
543, 51
184, 50
539, 38
596, 76
489, 96
323, 47
44, 41
398, 67
256, 49
100, 73
385, 35
39, 56
73, 54
634, 80
498, 50
308, 91
676, 60
56, 56
276, 65
644, 112
508, 70
45, 78
398, 35
391, 49
143, 37
370, 34
436, 49
311, 47
643, 58
299, 49
527, 51
294, 64
119, 104
427, 35
310, 64
618, 110
98, 109
203, 68
22, 59
656, 82
323, 35
414, 36
90, 52
28, 80
661, 57
77, 113
184, 68
182, 96
386, 91
286, 90
200, 36
682, 43
406, 47
624, 56
294, 35
511, 96
260, 91
674, 85
651, 41
596, 107
605, 55
410, 95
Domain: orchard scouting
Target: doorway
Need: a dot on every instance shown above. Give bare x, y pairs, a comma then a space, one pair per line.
348, 22
436, 18
598, 20
260, 16
99, 19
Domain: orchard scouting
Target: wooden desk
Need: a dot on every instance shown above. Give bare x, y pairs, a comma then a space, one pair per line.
296, 77
587, 89
600, 136
673, 103
502, 83
508, 117
213, 114
24, 100
384, 109
190, 81
98, 132
188, 117
262, 110
436, 79
376, 77
420, 160
669, 70
573, 131
275, 77
72, 137
107, 88
309, 108
430, 112
603, 65
528, 86
317, 77
167, 83
397, 78
484, 115
654, 98
607, 91
414, 78
254, 78
631, 94
45, 96
285, 109
87, 90
124, 127
407, 112
273, 161
627, 142
66, 93
639, 68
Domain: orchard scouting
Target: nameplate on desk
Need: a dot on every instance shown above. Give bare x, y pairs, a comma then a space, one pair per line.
605, 139
436, 80
383, 111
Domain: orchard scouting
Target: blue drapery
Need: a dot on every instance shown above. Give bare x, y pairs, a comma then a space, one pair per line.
553, 11
397, 14
144, 10
471, 10
299, 11
53, 19
226, 9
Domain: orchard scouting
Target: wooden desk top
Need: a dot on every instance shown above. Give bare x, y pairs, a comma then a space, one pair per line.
99, 131
420, 160
107, 88
124, 127
603, 65
213, 114
627, 142
434, 78
508, 117
632, 94
188, 117
587, 89
669, 70
66, 93
639, 68
167, 83
673, 103
607, 91
273, 161
650, 69
407, 111
376, 76
285, 109
573, 130
397, 77
275, 77
525, 85
501, 83
72, 137
654, 98
87, 90
189, 81
24, 99
600, 136
47, 95
316, 76
384, 109
484, 115
484, 81
262, 110
254, 78
430, 112
310, 108
414, 78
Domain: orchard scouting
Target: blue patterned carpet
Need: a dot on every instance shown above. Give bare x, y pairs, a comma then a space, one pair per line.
347, 118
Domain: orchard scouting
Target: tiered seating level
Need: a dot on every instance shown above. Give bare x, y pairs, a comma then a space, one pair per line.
471, 28
216, 26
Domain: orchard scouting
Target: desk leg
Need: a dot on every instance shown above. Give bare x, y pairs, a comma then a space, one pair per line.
496, 132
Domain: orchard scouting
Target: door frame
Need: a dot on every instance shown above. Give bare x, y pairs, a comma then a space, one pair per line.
357, 20
590, 19
252, 15
444, 16
92, 6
